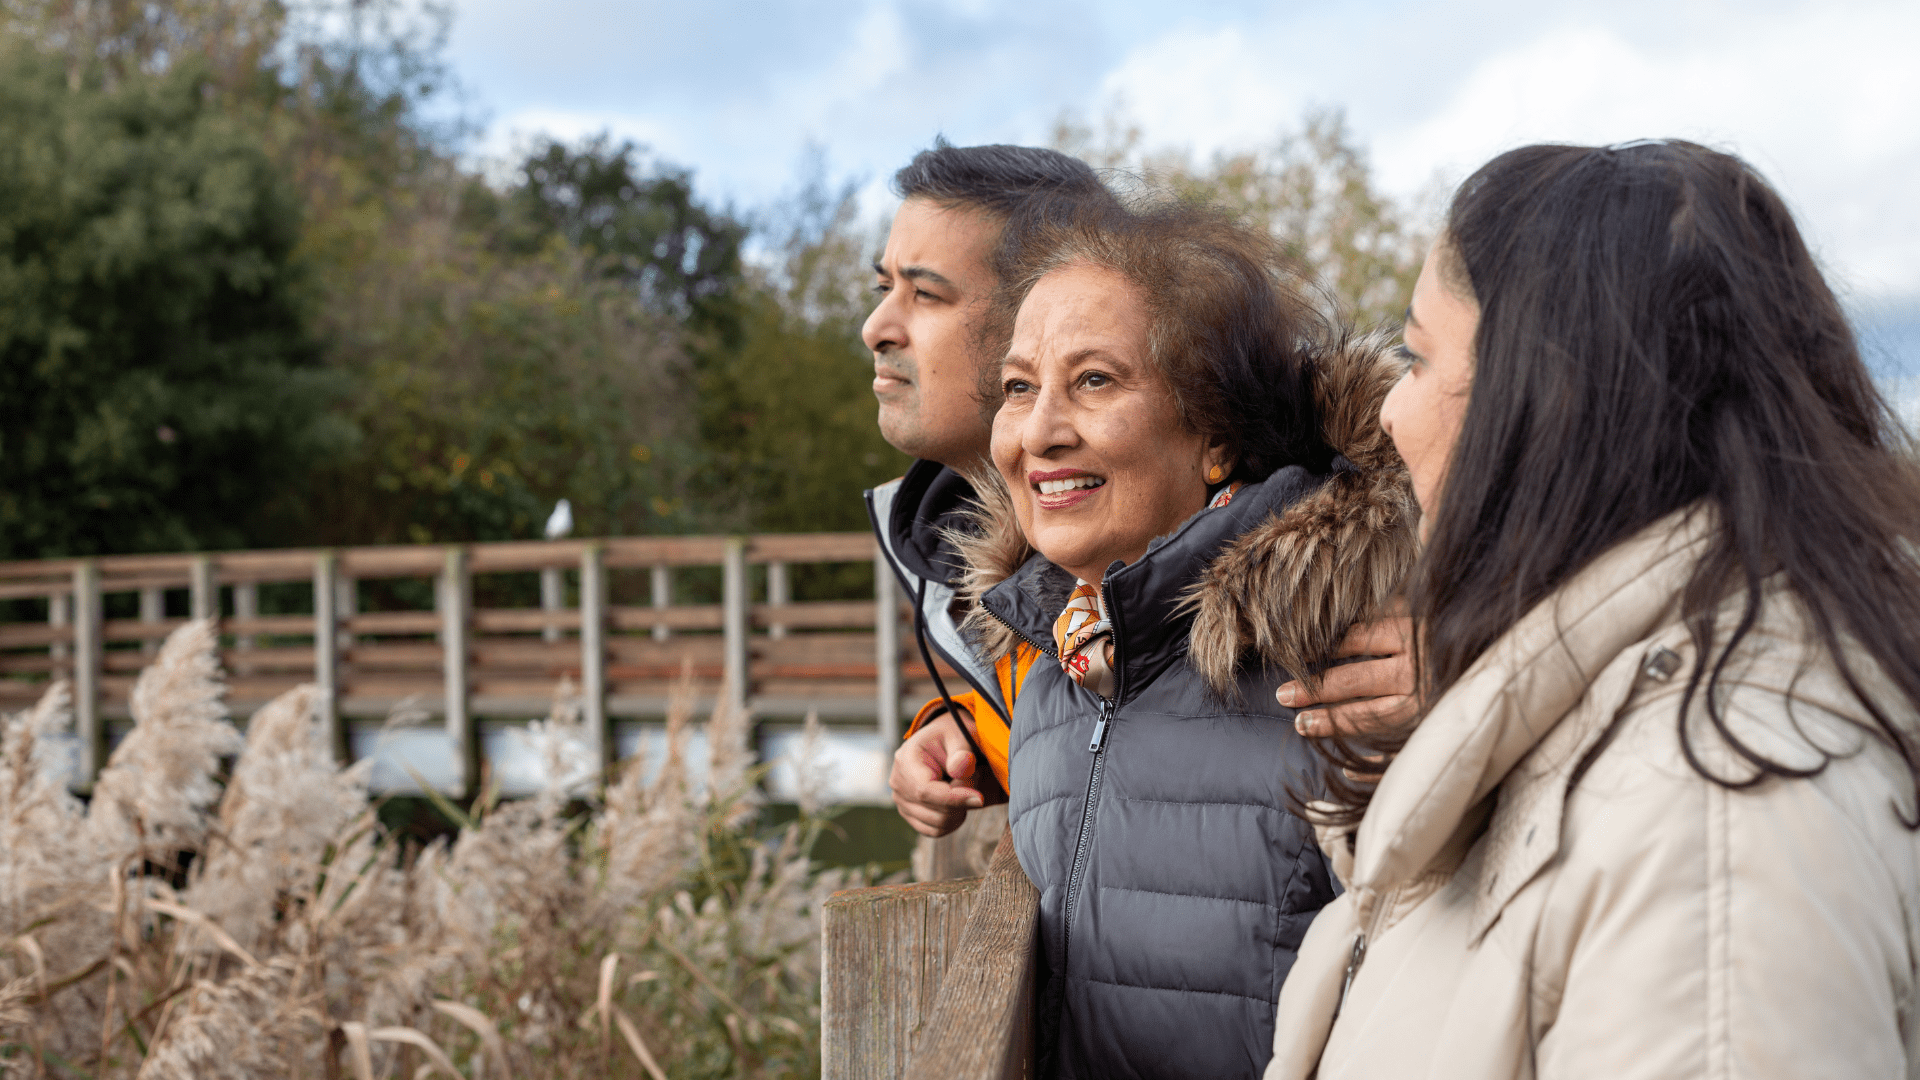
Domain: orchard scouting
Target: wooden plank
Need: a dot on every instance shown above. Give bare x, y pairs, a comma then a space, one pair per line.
637, 551
277, 625
515, 556
883, 954
36, 589
31, 635
255, 567
393, 560
985, 1004
138, 629
525, 621
811, 547
815, 615
682, 617
394, 622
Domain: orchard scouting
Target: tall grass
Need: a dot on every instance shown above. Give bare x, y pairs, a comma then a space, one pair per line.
198, 921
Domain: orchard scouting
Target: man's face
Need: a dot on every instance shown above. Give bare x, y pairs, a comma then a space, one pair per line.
934, 285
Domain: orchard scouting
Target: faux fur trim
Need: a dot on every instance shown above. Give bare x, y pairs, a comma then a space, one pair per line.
1289, 588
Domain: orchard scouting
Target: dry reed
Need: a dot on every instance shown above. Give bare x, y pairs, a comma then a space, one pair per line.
196, 921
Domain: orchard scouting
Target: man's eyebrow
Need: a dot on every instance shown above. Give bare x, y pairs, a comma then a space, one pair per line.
922, 273
878, 270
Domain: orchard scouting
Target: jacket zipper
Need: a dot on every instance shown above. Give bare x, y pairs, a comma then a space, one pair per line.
1096, 747
1359, 954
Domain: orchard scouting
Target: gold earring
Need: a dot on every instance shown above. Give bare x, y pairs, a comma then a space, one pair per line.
1214, 474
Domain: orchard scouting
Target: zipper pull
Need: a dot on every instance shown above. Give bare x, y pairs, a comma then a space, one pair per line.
1353, 965
1100, 729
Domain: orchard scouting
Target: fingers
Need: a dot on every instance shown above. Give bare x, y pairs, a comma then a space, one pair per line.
932, 779
1383, 637
1389, 676
1361, 717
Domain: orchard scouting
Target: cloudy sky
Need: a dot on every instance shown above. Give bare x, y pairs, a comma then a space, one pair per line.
1823, 96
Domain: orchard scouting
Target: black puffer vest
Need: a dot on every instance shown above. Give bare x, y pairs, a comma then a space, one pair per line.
1175, 885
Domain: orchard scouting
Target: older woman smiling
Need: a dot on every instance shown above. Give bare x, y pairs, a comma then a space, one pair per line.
1191, 503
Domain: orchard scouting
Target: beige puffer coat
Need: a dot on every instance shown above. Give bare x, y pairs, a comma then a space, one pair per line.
1645, 923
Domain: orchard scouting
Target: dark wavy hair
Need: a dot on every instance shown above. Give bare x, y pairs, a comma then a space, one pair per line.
1654, 335
998, 179
1232, 332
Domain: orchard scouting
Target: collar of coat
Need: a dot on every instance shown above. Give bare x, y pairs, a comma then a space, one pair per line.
1280, 574
1508, 704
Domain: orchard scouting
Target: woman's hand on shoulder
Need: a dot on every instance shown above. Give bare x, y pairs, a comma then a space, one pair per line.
1365, 695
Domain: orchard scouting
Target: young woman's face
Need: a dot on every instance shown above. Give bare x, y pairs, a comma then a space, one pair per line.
1423, 412
1089, 439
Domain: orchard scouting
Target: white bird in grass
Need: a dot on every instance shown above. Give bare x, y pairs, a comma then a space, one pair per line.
561, 521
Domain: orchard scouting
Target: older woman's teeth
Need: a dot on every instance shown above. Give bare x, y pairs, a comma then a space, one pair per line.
1054, 487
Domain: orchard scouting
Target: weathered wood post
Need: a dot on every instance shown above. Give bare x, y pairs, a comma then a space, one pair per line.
246, 605
59, 616
778, 596
152, 610
86, 671
661, 589
455, 594
933, 980
326, 649
553, 597
734, 621
593, 655
203, 602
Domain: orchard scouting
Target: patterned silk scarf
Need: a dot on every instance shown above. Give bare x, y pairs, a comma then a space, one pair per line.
1084, 635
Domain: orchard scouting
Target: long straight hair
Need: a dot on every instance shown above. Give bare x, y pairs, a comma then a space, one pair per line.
1654, 335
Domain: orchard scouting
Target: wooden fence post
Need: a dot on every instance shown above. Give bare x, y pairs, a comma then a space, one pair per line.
886, 652
734, 621
553, 597
661, 586
593, 655
778, 595
153, 609
326, 649
202, 601
932, 981
59, 614
455, 593
86, 671
246, 605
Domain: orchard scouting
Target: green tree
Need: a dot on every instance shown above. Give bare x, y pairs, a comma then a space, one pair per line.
787, 416
1312, 189
158, 385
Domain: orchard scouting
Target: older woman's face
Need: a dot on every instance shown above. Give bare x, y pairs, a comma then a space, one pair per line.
1089, 440
1424, 411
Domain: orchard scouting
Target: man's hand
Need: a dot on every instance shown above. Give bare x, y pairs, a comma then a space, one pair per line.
936, 780
1366, 695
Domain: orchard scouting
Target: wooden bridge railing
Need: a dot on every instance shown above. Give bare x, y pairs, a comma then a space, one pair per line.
843, 658
932, 981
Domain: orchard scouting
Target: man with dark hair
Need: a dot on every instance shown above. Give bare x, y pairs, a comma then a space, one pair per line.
935, 280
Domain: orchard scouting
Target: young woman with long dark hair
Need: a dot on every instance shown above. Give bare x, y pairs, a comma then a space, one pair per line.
1657, 818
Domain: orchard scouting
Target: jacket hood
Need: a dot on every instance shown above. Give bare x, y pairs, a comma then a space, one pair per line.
1281, 573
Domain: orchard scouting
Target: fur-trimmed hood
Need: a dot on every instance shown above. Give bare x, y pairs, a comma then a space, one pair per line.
1289, 585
